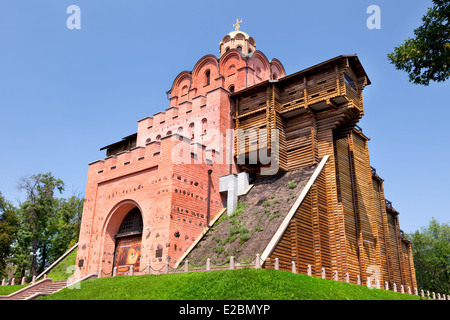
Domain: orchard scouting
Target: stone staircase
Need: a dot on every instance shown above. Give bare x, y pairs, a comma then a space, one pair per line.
41, 288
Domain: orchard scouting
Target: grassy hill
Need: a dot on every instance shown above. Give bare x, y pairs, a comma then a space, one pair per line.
242, 284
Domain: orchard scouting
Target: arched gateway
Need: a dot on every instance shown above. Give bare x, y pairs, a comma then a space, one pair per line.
128, 242
123, 237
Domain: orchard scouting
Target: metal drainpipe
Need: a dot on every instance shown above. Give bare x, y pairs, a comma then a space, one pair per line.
350, 162
231, 141
384, 232
208, 207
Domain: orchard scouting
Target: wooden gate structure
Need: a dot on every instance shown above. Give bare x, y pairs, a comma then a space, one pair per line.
344, 223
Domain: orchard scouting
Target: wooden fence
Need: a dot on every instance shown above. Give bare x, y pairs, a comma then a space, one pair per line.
233, 264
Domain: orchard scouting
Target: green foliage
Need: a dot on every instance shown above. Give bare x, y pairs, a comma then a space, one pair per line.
65, 269
218, 249
47, 226
426, 57
6, 290
239, 210
9, 225
292, 184
431, 252
242, 284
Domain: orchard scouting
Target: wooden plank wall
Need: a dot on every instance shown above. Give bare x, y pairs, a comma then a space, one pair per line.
365, 202
381, 217
343, 223
352, 237
301, 141
394, 258
307, 238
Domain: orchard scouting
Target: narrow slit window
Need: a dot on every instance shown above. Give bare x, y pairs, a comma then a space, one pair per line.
349, 81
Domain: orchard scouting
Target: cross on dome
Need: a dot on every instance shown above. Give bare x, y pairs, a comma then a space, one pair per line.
237, 24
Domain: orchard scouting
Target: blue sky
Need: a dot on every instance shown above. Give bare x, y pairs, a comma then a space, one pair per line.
64, 93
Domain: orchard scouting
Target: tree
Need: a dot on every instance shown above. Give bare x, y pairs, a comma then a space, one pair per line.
64, 228
36, 214
426, 57
48, 225
9, 225
431, 252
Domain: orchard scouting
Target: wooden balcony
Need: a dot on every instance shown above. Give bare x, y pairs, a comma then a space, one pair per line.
336, 84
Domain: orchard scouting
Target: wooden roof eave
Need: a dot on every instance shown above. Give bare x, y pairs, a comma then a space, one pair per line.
353, 61
124, 139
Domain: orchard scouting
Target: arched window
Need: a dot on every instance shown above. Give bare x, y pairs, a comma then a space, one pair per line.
180, 130
231, 89
148, 141
227, 49
191, 130
204, 125
258, 72
208, 77
184, 90
132, 223
275, 76
250, 51
168, 133
158, 137
239, 48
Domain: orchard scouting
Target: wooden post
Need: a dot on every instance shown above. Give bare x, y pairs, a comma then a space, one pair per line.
3, 282
131, 271
309, 270
23, 281
232, 263
257, 262
33, 280
369, 282
377, 283
336, 276
208, 264
422, 293
13, 281
394, 287
324, 276
347, 278
277, 264
416, 292
402, 288
439, 296
409, 290
433, 295
99, 275
293, 268
147, 268
186, 266
358, 279
428, 294
166, 268
386, 286
115, 272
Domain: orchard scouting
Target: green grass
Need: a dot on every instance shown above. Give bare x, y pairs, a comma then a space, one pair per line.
5, 290
242, 284
60, 272
65, 268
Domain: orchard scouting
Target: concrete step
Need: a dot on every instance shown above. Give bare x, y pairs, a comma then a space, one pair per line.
46, 289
